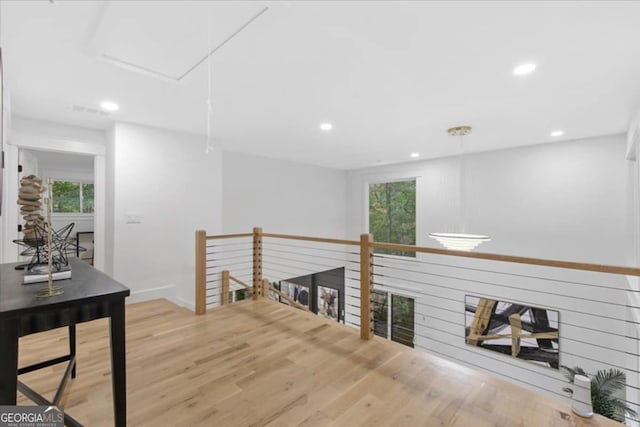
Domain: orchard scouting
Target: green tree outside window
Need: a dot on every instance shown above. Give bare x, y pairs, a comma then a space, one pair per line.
392, 214
66, 197
87, 198
72, 197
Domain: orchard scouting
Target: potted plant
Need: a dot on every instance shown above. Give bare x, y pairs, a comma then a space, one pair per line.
604, 387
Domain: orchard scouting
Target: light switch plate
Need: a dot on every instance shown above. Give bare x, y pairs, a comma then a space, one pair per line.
133, 218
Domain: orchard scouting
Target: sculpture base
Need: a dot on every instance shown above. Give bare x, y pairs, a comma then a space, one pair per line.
50, 291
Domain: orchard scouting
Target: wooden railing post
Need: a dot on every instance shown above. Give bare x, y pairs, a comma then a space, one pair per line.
257, 261
265, 287
201, 271
224, 295
366, 286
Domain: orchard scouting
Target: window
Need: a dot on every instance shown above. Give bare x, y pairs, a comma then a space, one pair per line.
392, 214
393, 321
72, 197
87, 198
239, 295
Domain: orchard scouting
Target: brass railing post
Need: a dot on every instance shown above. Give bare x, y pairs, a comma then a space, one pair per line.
224, 293
366, 286
201, 271
257, 261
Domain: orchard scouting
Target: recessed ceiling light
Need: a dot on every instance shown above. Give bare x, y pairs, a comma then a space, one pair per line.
415, 155
326, 127
524, 69
109, 106
557, 133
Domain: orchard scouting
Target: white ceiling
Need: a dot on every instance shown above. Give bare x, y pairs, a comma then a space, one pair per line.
390, 76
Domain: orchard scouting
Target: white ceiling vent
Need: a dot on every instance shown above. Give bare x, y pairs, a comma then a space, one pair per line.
90, 110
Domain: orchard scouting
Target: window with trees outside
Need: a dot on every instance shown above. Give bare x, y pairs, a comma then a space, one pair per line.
72, 197
392, 214
393, 317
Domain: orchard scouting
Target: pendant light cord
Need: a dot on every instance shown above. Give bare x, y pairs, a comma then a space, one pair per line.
463, 216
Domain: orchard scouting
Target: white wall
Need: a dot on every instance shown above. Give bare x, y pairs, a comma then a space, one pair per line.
26, 132
29, 163
109, 189
562, 201
8, 213
167, 181
282, 197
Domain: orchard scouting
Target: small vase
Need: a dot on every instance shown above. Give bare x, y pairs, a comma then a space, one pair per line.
581, 401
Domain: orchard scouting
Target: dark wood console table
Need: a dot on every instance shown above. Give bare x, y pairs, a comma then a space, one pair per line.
87, 296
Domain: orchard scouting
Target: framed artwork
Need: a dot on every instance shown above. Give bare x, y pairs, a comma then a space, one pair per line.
328, 303
321, 293
521, 331
298, 293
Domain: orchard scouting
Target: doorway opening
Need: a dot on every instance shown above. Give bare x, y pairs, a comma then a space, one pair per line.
72, 194
322, 293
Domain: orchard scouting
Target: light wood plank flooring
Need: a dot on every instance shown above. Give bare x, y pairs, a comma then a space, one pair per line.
259, 363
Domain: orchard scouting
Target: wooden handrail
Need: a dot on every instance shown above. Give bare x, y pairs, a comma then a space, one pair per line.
312, 239
600, 268
287, 298
228, 236
240, 282
365, 247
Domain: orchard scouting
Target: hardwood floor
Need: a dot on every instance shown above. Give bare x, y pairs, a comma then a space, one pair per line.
258, 363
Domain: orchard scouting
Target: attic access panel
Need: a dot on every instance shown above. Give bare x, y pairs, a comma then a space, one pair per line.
168, 39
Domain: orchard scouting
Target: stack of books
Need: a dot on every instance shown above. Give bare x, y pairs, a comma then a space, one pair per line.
40, 273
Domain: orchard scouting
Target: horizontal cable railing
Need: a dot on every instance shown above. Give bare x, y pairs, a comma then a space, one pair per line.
595, 331
225, 252
517, 318
293, 262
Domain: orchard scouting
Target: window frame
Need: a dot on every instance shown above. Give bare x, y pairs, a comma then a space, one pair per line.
81, 183
391, 177
389, 294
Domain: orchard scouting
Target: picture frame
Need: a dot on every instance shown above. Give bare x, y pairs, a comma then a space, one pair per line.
521, 331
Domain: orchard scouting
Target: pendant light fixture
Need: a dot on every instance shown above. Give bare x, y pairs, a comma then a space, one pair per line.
460, 241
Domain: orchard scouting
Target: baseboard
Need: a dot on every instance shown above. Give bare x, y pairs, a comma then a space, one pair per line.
167, 292
183, 303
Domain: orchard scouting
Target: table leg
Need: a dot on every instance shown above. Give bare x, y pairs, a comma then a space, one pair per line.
118, 365
8, 361
72, 346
